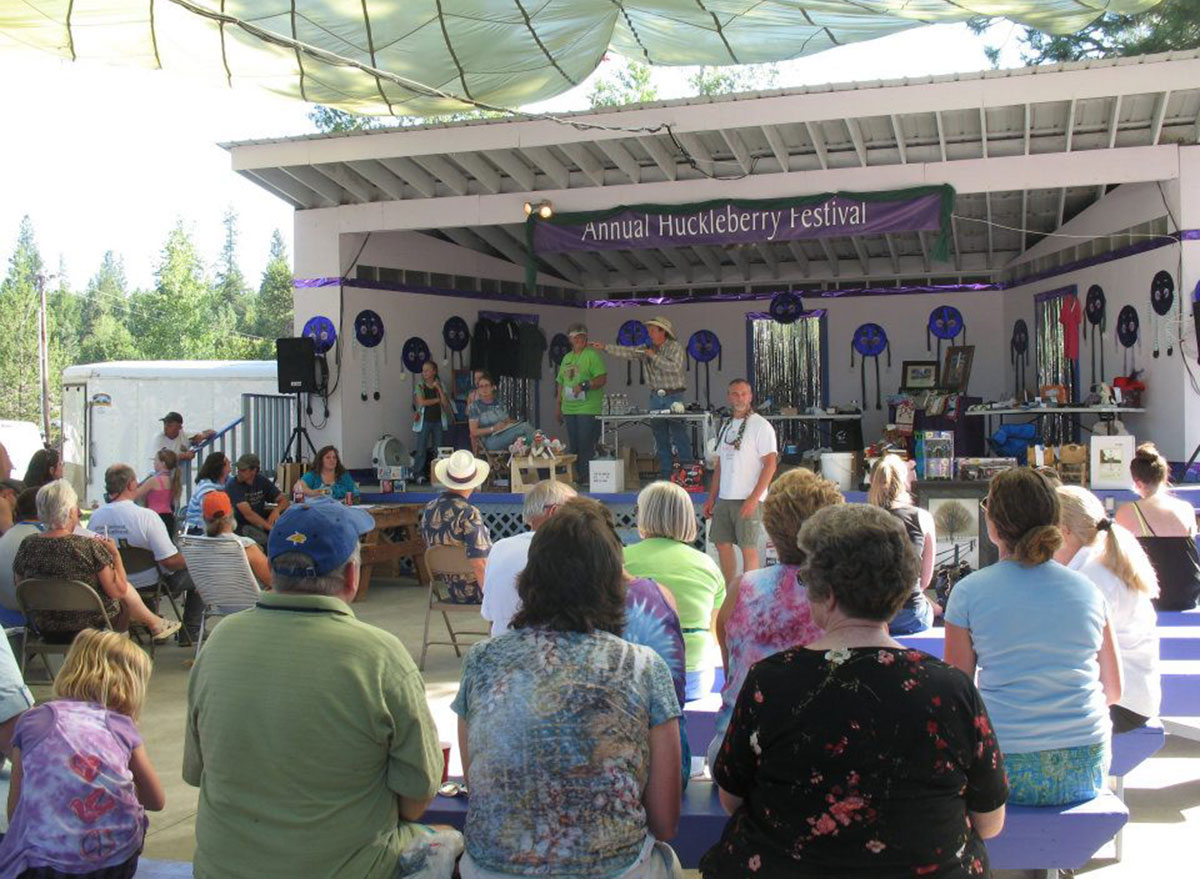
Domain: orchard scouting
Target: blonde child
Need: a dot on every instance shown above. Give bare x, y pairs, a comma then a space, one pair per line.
161, 491
81, 779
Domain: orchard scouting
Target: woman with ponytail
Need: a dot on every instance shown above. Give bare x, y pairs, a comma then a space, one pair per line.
1040, 637
1109, 556
1166, 529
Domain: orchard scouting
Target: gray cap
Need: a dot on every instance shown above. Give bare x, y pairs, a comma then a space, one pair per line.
577, 330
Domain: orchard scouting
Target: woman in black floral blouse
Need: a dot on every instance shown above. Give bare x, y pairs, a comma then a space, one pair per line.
855, 756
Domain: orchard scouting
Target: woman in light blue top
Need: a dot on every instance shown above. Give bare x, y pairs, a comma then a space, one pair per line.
1044, 647
489, 421
328, 477
212, 475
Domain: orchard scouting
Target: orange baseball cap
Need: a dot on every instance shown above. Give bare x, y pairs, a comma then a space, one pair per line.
217, 505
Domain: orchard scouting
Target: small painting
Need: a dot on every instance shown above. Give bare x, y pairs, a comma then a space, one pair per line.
956, 522
919, 375
956, 374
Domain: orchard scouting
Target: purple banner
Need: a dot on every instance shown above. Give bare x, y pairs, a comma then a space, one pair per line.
718, 224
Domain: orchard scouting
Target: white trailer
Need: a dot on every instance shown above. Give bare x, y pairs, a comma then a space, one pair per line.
111, 411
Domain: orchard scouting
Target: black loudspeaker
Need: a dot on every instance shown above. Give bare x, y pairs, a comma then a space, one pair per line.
296, 366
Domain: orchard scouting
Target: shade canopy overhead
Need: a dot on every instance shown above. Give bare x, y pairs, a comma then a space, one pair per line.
421, 57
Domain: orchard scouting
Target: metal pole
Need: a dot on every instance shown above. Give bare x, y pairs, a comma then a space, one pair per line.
44, 359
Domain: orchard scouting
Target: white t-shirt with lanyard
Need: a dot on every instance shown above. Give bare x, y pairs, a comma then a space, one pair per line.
742, 445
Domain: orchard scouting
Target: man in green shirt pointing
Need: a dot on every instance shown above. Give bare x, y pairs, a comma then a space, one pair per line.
580, 397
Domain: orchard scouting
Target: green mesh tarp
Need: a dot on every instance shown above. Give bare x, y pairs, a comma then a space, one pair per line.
422, 57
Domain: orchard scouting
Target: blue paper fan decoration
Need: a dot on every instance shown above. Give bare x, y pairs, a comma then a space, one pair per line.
321, 330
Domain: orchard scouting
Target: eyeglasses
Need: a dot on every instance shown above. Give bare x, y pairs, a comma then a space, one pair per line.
983, 504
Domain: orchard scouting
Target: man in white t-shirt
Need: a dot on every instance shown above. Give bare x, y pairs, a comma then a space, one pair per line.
508, 556
134, 526
747, 455
173, 438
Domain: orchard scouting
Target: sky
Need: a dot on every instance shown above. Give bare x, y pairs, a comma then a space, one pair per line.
105, 158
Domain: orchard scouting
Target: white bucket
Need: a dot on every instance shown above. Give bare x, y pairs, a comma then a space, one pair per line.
838, 467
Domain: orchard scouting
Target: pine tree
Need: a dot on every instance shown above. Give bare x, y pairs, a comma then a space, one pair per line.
173, 321
105, 334
274, 303
20, 388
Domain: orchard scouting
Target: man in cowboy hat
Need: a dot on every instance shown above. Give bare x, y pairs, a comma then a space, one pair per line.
451, 520
666, 366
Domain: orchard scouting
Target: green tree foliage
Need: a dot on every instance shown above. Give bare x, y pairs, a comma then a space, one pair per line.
104, 334
20, 388
626, 83
1171, 25
229, 288
735, 78
273, 306
172, 320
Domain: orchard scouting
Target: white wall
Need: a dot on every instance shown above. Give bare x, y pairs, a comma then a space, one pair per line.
1126, 282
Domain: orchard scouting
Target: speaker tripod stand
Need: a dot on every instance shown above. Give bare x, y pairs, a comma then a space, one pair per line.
298, 438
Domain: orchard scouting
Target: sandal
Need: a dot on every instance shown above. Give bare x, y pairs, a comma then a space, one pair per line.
164, 634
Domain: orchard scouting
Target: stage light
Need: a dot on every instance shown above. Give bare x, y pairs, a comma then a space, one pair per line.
544, 209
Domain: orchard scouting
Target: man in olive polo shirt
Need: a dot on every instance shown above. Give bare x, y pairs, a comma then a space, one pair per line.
307, 732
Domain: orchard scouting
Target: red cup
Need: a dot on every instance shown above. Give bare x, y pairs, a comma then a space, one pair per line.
445, 761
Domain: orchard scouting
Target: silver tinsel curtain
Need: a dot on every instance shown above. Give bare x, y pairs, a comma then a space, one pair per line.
1053, 367
786, 369
520, 396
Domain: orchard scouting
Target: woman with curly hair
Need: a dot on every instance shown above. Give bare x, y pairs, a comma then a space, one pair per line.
1041, 640
854, 756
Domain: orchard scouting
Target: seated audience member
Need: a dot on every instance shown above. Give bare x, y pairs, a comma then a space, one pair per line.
9, 489
26, 523
489, 421
767, 609
327, 477
219, 522
1041, 639
82, 781
1110, 557
212, 476
650, 615
451, 520
889, 491
356, 762
250, 493
507, 558
611, 758
46, 465
160, 492
57, 553
1166, 529
15, 698
140, 528
666, 521
853, 755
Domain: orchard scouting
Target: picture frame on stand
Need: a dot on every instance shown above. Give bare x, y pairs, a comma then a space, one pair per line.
1110, 459
956, 372
919, 375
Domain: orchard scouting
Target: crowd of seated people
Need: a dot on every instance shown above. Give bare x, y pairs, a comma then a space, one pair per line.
838, 750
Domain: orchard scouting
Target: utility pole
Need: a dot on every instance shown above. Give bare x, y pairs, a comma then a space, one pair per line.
44, 357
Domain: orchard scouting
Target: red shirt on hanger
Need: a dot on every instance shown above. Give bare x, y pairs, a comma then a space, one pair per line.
1070, 316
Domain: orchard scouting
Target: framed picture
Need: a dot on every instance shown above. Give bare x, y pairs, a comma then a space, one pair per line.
1110, 458
961, 530
956, 373
919, 375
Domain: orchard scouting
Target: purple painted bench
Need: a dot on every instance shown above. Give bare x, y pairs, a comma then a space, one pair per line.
1049, 838
151, 869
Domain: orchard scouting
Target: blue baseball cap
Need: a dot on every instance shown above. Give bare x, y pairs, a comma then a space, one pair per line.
324, 530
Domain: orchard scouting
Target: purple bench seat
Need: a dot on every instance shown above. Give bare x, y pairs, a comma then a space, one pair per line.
151, 869
1058, 837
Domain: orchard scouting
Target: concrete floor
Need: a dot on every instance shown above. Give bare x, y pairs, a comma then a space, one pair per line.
1163, 794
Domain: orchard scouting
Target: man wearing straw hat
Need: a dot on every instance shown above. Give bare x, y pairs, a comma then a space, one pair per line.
666, 366
451, 520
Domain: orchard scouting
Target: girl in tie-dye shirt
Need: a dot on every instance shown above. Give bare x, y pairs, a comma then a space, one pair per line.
81, 779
